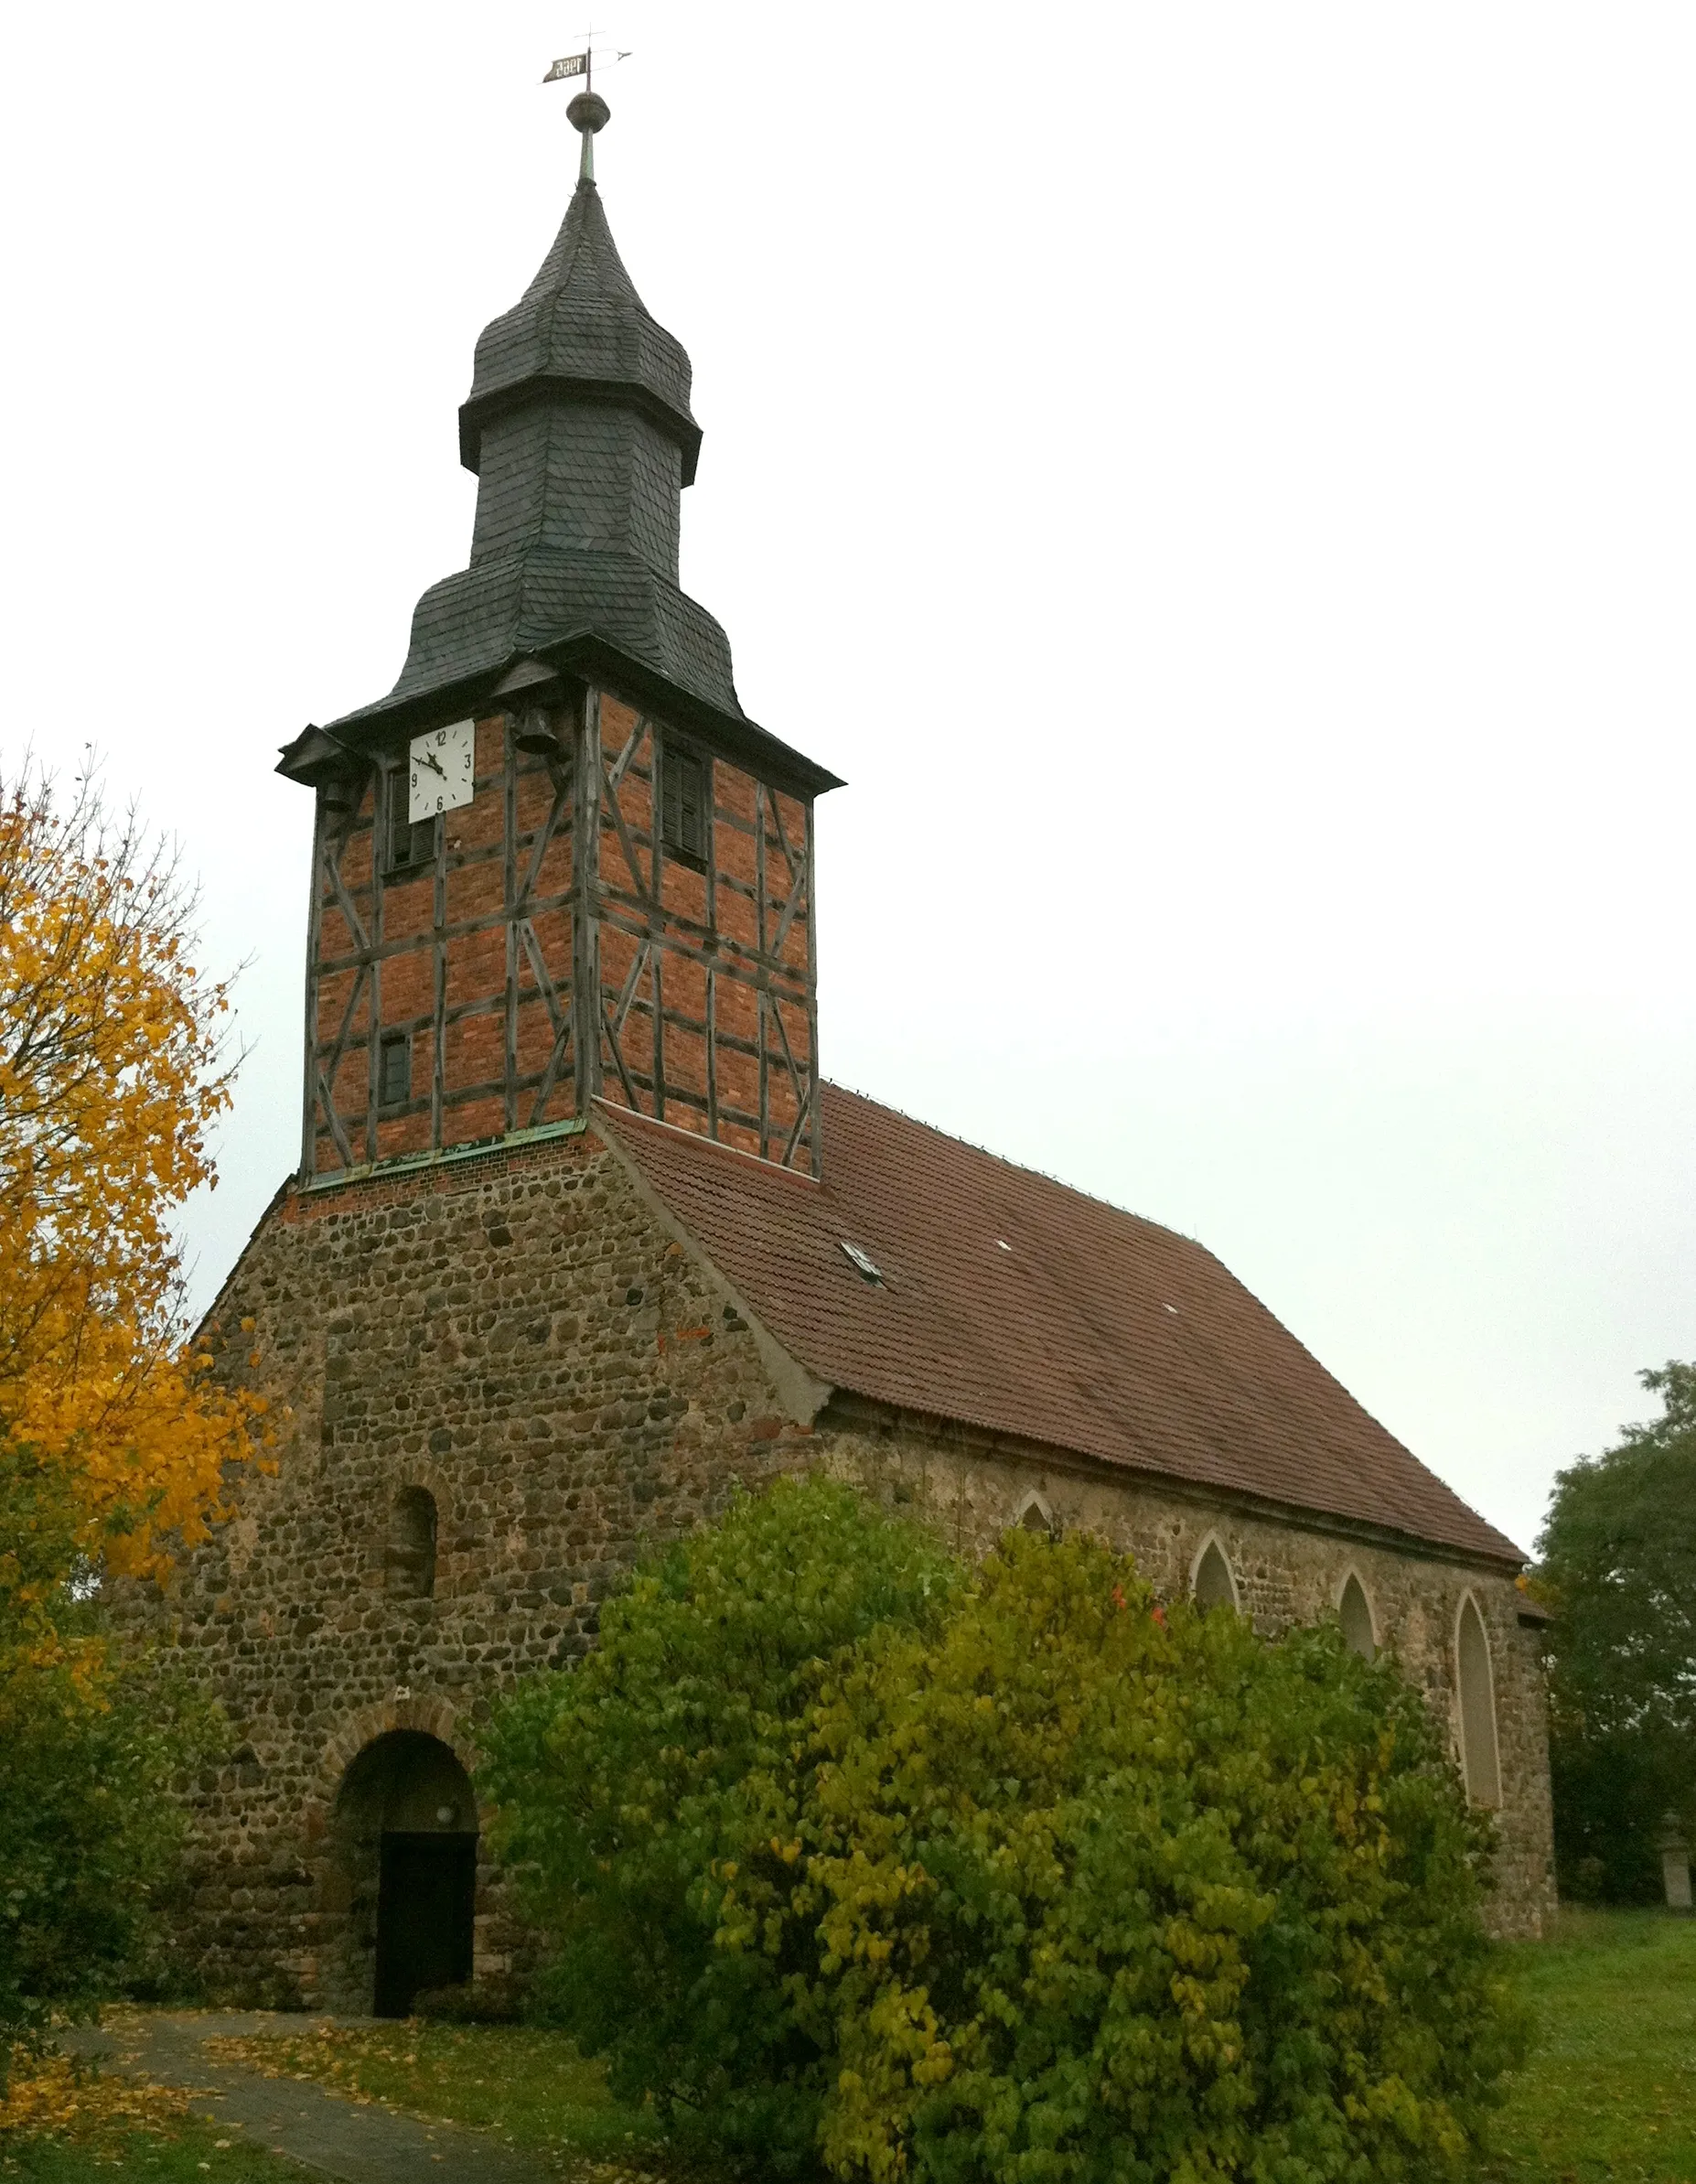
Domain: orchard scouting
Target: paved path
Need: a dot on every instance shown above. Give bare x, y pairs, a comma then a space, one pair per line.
346, 2139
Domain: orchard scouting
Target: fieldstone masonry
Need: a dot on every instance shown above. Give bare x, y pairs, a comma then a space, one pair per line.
1288, 1570
521, 1333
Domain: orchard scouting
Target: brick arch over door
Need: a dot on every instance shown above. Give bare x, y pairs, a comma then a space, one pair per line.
435, 1718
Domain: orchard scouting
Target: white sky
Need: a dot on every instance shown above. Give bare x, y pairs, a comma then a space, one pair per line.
1217, 479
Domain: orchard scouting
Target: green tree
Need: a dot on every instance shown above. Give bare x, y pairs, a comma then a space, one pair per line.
1618, 1568
1015, 1875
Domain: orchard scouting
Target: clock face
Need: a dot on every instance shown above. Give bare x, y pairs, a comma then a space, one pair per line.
443, 769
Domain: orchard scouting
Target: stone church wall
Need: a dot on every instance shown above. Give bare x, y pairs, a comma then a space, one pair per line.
514, 1334
520, 1334
1284, 1574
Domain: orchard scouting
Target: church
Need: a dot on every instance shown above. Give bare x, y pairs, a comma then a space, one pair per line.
581, 1239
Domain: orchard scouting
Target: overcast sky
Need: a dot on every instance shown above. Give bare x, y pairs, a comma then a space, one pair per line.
1216, 480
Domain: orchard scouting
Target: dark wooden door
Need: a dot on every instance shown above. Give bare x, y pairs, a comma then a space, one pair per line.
425, 1898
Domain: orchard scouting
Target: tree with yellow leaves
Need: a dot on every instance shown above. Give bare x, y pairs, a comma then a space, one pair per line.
113, 1433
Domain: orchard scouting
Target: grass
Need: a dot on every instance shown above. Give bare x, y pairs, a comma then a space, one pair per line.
531, 2089
62, 2122
1609, 2095
192, 2154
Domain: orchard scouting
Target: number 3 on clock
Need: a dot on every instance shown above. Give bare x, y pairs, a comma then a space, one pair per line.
442, 770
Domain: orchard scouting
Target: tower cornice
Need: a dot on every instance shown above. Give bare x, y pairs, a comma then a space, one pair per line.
585, 657
477, 410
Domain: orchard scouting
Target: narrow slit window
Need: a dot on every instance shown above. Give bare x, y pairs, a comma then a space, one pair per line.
394, 1065
1475, 1686
409, 1555
686, 784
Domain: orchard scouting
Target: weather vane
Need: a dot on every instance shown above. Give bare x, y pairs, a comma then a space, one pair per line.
582, 64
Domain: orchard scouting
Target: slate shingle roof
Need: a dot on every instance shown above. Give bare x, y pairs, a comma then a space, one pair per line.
581, 319
1012, 1303
579, 428
543, 601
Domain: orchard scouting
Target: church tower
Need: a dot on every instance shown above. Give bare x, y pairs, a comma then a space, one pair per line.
558, 861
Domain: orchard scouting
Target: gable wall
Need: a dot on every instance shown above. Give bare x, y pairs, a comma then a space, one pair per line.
520, 1335
515, 1334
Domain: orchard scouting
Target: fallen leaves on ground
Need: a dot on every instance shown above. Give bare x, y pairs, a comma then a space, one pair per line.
62, 2095
303, 2055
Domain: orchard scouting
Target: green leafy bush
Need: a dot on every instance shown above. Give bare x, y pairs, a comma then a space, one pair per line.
1014, 1876
627, 1784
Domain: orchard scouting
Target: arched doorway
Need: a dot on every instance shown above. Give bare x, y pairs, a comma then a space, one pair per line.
406, 1827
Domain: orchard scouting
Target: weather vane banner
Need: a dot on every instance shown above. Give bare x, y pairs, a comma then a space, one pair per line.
573, 64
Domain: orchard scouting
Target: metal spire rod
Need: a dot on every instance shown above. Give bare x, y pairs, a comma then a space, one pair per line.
588, 112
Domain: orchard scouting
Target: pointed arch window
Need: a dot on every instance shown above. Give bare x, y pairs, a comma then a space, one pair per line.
1476, 1689
1036, 1516
1356, 1611
1212, 1582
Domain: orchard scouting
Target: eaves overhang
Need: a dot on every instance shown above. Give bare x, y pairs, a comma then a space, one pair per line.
316, 758
862, 1411
583, 656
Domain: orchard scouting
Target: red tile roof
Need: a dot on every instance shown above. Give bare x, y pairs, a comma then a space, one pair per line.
1012, 1303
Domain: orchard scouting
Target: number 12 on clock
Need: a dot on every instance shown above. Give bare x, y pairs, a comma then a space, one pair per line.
442, 770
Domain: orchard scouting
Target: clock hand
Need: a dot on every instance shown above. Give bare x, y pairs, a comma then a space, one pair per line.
430, 759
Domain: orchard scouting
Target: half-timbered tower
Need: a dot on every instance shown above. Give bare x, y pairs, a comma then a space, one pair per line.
558, 860
579, 1240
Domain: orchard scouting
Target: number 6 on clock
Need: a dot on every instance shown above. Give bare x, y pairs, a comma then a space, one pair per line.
443, 769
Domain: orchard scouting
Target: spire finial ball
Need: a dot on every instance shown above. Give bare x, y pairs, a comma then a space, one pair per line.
588, 112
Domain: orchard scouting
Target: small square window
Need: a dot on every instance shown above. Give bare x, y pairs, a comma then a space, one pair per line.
686, 783
412, 841
395, 1070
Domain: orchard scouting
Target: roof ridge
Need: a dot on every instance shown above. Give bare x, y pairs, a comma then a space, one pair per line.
1022, 1167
